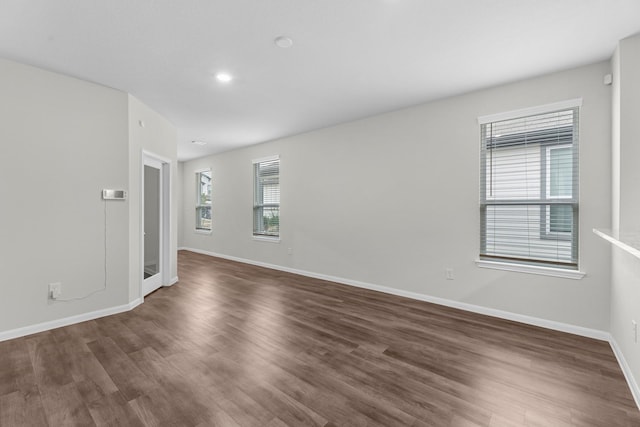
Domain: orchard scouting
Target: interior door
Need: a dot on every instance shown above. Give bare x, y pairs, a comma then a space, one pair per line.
152, 226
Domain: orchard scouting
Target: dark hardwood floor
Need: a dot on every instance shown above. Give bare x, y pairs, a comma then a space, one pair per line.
237, 345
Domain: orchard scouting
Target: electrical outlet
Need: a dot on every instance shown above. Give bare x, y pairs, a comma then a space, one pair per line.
55, 290
289, 251
448, 273
635, 331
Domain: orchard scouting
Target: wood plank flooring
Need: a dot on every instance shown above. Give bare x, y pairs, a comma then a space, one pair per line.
237, 345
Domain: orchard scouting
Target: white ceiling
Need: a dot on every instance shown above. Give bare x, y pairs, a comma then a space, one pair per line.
350, 58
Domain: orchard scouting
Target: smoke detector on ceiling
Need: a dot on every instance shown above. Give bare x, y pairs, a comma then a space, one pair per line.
283, 42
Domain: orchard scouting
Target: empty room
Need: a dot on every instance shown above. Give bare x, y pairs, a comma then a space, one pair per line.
320, 213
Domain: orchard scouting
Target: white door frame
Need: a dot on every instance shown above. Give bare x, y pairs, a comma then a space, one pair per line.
164, 165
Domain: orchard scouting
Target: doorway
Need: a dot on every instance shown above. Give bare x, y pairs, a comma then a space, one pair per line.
155, 223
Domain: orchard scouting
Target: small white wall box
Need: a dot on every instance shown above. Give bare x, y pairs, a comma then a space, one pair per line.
114, 194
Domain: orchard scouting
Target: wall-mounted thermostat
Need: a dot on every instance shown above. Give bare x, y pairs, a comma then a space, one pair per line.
114, 194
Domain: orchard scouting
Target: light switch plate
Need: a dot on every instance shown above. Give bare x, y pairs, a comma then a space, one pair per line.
114, 194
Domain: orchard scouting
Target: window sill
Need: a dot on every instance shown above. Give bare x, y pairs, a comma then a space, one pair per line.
270, 239
531, 269
626, 240
202, 231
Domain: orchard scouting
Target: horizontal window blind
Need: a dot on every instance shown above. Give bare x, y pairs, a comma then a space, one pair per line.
266, 206
529, 189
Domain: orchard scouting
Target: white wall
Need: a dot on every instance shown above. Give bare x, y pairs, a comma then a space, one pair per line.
625, 283
180, 204
63, 140
392, 200
156, 135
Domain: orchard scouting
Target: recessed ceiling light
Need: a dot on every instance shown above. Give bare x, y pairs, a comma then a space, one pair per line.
224, 77
198, 142
283, 42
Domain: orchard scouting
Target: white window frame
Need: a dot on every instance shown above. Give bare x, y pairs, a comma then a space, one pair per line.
200, 205
526, 267
257, 204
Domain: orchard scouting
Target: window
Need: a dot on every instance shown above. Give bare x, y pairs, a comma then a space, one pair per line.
529, 187
266, 199
203, 203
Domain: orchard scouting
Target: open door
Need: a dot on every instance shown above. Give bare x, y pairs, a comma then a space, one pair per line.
155, 215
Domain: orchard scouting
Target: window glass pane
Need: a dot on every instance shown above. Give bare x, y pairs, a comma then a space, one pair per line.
204, 179
560, 218
269, 220
203, 218
515, 231
560, 172
508, 178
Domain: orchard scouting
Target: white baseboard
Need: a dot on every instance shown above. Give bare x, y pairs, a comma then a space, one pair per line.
521, 318
626, 370
172, 281
58, 323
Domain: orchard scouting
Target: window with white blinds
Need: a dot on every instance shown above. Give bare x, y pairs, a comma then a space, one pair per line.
203, 200
266, 200
529, 189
